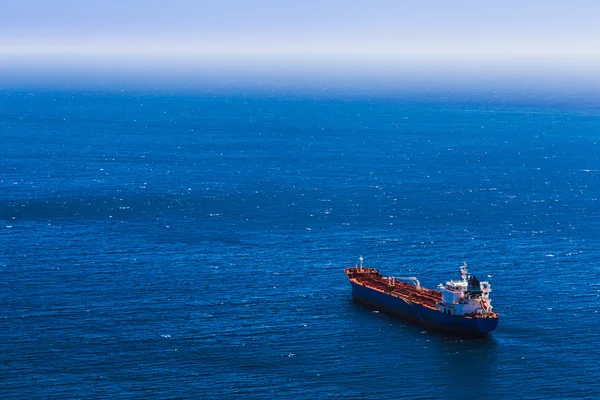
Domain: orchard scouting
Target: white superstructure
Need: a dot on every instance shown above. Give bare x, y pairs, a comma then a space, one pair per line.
468, 296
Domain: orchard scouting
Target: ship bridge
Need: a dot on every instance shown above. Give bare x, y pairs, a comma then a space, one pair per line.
466, 297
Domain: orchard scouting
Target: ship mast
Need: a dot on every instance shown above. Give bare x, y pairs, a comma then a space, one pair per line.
464, 273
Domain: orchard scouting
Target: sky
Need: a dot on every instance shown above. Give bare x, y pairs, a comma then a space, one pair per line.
359, 39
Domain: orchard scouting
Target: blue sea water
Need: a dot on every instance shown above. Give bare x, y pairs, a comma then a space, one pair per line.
192, 245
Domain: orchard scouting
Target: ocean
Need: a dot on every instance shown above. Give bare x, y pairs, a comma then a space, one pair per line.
192, 244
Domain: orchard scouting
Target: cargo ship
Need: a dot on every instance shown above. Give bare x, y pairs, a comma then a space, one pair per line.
462, 306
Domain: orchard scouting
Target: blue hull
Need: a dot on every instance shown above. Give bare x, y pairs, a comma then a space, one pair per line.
421, 314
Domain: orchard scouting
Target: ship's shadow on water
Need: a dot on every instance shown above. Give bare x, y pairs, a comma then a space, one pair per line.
418, 327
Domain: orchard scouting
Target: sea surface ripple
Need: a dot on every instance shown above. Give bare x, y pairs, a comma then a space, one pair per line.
193, 246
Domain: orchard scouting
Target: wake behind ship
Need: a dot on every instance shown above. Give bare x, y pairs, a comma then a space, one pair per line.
462, 306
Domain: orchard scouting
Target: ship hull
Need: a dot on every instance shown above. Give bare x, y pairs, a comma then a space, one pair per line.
421, 314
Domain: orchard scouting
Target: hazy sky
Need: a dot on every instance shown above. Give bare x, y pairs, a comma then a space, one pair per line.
355, 36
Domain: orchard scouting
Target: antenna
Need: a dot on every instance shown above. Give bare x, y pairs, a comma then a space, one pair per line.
463, 271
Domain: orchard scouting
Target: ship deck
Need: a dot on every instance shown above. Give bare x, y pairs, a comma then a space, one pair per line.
372, 279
